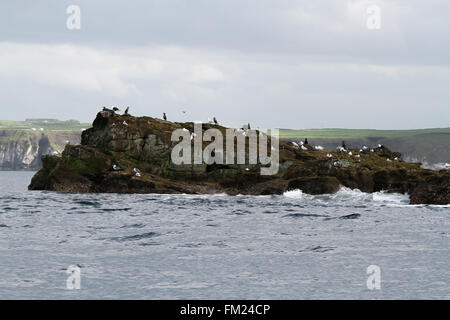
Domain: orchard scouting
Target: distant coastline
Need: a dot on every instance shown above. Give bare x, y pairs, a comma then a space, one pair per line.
429, 146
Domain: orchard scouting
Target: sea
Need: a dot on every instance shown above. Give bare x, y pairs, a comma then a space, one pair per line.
349, 245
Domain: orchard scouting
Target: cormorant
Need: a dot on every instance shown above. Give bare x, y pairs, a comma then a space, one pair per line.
115, 109
164, 116
343, 145
306, 141
126, 110
215, 120
248, 126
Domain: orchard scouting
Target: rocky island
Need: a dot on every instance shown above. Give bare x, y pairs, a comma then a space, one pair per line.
126, 154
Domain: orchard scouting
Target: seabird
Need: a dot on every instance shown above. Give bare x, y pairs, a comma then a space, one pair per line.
295, 144
115, 109
215, 120
136, 170
306, 141
164, 116
350, 153
329, 155
116, 168
126, 110
304, 148
125, 123
318, 147
389, 160
137, 174
248, 126
343, 145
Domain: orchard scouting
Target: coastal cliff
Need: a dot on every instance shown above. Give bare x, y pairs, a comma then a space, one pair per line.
23, 149
127, 154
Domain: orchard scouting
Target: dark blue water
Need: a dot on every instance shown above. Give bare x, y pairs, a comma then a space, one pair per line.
219, 247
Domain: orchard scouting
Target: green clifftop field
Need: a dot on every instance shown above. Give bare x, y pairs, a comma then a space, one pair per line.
425, 145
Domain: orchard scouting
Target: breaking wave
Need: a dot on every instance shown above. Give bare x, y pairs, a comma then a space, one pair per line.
352, 197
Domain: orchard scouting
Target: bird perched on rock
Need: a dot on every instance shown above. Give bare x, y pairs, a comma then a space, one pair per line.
306, 141
126, 110
215, 120
248, 126
115, 109
343, 145
116, 168
164, 116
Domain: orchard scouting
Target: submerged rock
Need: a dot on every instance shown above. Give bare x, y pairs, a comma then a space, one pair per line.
118, 146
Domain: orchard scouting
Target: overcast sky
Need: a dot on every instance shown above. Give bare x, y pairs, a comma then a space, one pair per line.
278, 63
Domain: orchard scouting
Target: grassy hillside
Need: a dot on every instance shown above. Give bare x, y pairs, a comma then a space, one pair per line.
426, 145
53, 125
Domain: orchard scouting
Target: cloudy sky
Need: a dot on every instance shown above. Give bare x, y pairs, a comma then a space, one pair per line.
278, 63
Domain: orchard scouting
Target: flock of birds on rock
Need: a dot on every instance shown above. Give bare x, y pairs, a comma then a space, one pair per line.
342, 148
301, 144
214, 120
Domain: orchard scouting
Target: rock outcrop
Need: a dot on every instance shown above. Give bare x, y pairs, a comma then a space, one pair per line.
127, 154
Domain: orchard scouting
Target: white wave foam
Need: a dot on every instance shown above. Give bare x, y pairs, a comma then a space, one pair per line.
353, 196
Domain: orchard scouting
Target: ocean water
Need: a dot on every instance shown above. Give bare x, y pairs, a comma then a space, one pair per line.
294, 246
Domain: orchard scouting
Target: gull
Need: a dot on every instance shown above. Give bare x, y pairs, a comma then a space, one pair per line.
184, 129
136, 170
247, 169
295, 143
379, 145
388, 160
137, 174
396, 159
358, 156
364, 148
371, 150
329, 155
116, 168
304, 148
350, 153
318, 147
125, 123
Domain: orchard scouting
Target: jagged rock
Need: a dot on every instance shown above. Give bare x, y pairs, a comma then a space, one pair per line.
435, 189
315, 185
144, 143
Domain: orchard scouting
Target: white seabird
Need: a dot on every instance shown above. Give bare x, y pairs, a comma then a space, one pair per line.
295, 143
125, 123
304, 148
318, 147
116, 167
